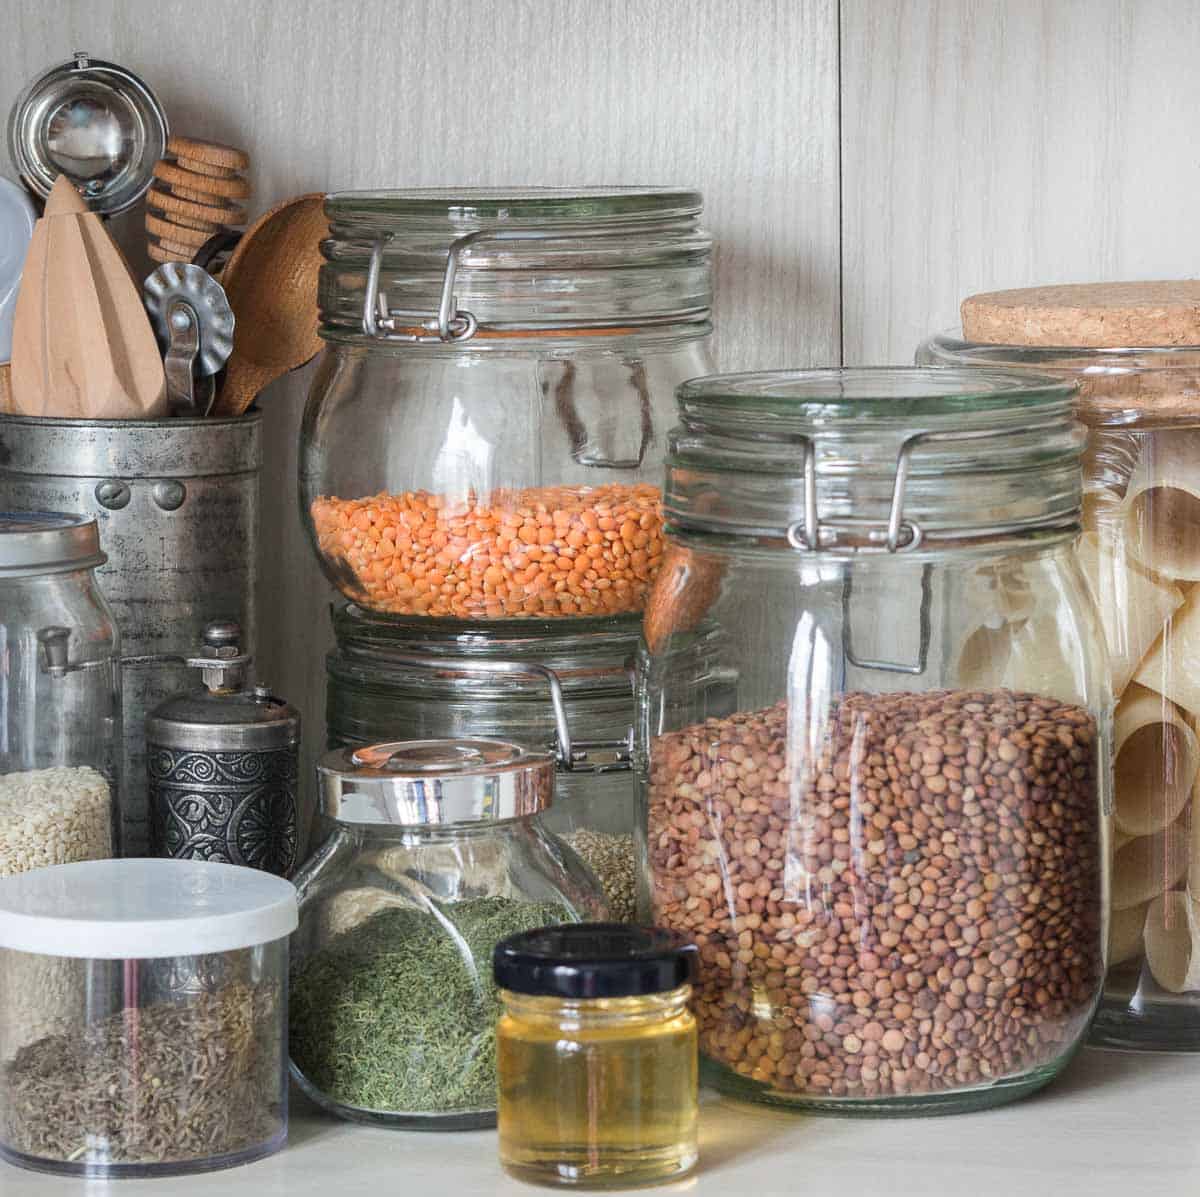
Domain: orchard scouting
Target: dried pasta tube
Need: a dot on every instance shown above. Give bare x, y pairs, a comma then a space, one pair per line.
1133, 606
1157, 758
1172, 936
1149, 865
1162, 505
1026, 654
1125, 933
1172, 666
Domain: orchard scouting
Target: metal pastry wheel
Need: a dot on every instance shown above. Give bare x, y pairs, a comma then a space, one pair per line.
194, 323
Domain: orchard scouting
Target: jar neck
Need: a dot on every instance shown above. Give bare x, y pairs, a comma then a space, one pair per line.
507, 272
598, 1014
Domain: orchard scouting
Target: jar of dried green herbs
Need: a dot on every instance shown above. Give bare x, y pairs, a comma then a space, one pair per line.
436, 852
155, 1045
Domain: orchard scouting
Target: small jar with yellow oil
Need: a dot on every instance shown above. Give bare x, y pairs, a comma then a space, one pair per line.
596, 1055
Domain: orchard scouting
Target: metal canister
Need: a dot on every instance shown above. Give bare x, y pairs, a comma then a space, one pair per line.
222, 765
177, 502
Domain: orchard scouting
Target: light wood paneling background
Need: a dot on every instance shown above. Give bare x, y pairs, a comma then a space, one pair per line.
866, 162
1003, 143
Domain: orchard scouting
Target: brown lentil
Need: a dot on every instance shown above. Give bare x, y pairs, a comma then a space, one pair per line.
544, 552
863, 932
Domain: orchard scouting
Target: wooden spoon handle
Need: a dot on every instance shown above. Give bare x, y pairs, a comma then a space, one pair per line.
243, 381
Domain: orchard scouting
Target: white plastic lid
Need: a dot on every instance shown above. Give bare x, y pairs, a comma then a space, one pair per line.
139, 909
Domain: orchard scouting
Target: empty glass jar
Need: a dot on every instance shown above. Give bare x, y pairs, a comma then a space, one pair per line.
1134, 350
389, 681
437, 853
60, 689
484, 436
879, 819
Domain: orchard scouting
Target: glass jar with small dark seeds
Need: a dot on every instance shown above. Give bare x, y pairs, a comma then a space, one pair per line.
884, 829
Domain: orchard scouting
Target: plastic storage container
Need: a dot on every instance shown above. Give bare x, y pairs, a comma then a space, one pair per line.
437, 853
484, 436
890, 847
596, 1055
61, 694
143, 1017
1134, 350
386, 681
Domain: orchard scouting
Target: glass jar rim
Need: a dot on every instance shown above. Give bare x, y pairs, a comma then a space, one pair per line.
1154, 386
891, 392
511, 205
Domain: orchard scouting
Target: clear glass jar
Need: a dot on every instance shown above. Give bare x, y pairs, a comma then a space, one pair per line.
491, 449
1141, 521
437, 854
889, 847
60, 673
390, 682
596, 1055
143, 1017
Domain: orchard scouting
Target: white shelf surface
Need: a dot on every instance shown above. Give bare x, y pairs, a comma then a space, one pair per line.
1115, 1123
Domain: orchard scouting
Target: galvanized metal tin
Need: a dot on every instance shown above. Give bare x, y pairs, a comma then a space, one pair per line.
177, 502
222, 766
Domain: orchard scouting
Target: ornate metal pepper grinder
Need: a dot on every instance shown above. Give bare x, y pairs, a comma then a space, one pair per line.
222, 765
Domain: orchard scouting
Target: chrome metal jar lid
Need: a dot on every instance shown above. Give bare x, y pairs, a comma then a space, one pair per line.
93, 121
47, 542
421, 783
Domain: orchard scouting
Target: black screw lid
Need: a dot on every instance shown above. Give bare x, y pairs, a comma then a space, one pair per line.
594, 960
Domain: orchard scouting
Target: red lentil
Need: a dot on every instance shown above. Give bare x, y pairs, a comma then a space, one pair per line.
544, 552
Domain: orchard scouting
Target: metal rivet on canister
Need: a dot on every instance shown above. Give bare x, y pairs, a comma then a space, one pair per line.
169, 494
113, 493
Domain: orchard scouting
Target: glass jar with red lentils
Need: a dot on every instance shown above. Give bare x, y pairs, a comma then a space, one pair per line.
891, 846
484, 436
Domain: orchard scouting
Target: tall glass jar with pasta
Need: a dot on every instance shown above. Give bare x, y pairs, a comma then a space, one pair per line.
1134, 349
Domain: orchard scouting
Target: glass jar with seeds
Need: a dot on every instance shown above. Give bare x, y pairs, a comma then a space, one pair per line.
388, 680
890, 847
168, 1055
437, 853
61, 712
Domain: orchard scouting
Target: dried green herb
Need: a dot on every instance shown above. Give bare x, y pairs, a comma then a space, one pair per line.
399, 1013
156, 1084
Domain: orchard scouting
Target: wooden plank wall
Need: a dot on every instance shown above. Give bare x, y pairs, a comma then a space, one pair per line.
1002, 143
866, 162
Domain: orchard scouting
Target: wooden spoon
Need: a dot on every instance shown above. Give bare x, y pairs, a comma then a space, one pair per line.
271, 281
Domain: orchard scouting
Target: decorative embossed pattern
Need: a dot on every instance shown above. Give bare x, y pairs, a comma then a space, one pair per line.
234, 807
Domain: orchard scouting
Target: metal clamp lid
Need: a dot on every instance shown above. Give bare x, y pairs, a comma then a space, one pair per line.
450, 324
898, 535
420, 783
570, 755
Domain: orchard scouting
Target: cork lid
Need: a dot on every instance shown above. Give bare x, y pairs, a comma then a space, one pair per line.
1088, 315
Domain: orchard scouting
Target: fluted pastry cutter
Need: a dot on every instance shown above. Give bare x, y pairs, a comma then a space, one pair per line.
194, 325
